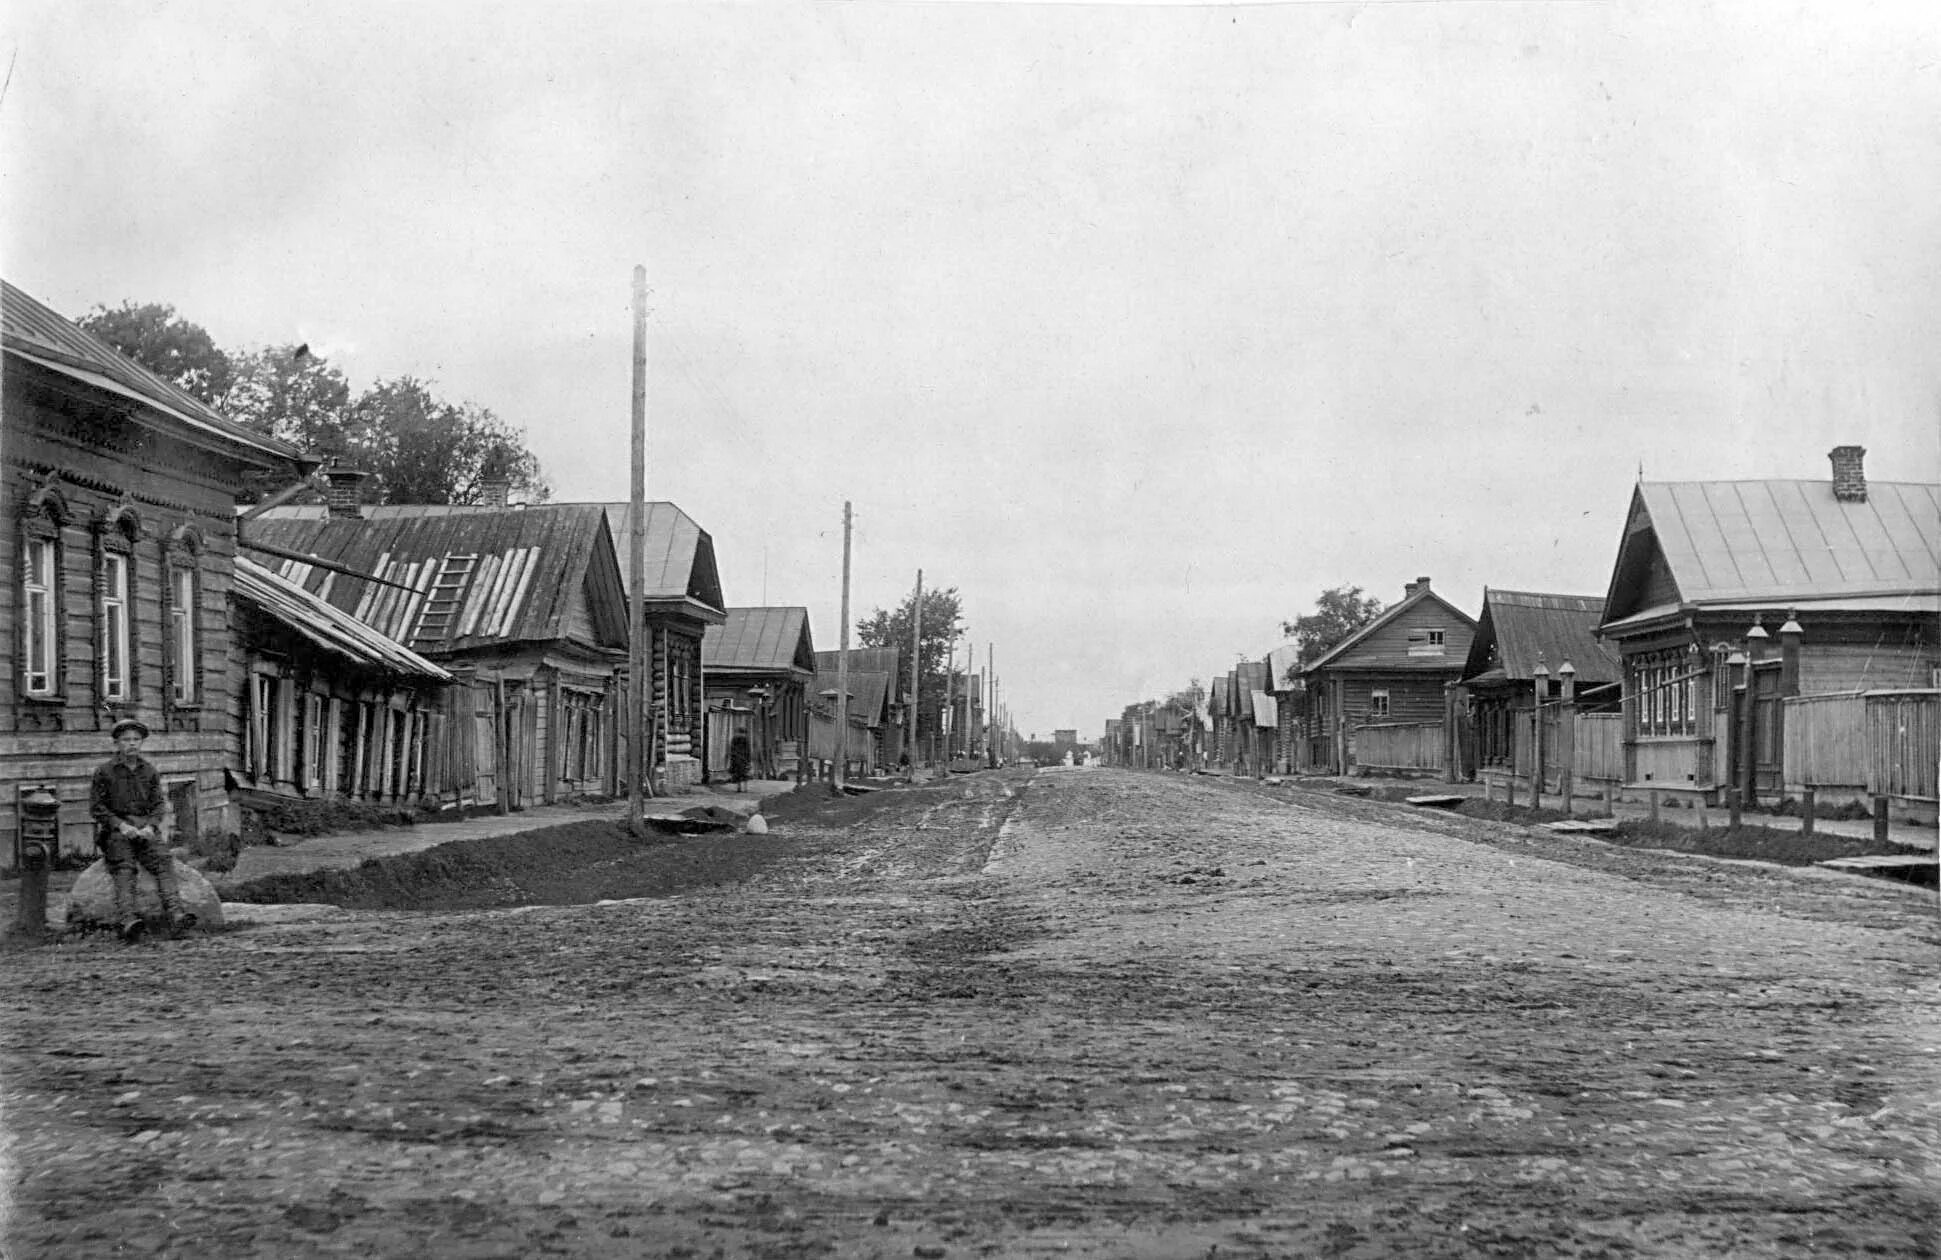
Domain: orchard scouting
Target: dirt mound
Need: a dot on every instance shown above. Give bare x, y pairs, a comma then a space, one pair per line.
572, 864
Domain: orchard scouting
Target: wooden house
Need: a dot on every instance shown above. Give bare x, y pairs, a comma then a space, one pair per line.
1829, 587
1284, 683
757, 666
869, 733
1255, 722
681, 600
523, 606
325, 707
118, 534
888, 733
1388, 674
1521, 633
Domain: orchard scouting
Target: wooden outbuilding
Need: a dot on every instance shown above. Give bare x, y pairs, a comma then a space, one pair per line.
118, 536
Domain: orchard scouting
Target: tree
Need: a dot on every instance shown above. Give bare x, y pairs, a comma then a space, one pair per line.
178, 351
941, 609
426, 450
1338, 613
421, 448
289, 393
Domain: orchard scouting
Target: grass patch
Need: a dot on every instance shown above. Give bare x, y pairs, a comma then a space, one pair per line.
1749, 841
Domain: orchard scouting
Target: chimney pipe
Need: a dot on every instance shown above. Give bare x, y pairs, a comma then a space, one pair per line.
494, 491
1410, 588
1849, 480
342, 493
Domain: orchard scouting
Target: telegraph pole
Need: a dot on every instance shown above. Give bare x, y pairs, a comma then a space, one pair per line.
948, 726
916, 666
990, 702
637, 688
842, 661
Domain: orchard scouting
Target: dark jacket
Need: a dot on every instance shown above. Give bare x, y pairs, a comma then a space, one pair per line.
130, 793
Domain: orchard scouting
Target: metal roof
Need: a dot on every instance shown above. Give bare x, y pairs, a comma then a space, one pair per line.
678, 554
474, 575
326, 626
765, 639
1781, 540
36, 333
1525, 626
1284, 668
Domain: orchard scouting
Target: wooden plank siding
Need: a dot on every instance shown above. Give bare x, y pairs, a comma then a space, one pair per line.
1904, 744
117, 483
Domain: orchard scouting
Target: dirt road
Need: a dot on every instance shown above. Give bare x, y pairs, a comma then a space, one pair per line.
1086, 1013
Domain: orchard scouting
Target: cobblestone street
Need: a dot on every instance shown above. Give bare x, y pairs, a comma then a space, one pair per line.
1076, 1013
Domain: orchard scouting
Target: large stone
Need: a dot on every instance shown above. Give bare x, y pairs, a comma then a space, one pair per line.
92, 899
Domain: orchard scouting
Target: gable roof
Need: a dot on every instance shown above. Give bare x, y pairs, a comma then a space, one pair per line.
1759, 542
1525, 626
678, 554
1421, 595
474, 575
868, 691
327, 626
883, 660
35, 333
770, 640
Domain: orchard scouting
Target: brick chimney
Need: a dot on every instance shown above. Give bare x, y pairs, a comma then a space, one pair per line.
341, 495
1849, 481
1409, 589
494, 491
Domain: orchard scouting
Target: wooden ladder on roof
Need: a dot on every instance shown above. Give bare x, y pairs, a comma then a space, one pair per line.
441, 606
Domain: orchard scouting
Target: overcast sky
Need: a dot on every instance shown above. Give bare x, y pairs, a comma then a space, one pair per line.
1140, 325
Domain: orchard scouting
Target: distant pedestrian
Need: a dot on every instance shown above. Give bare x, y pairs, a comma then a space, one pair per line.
126, 803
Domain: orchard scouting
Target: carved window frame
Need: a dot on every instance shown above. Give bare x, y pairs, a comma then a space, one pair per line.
116, 532
43, 517
182, 669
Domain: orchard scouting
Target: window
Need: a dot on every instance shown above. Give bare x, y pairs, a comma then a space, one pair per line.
1664, 690
1378, 704
313, 741
40, 624
182, 637
115, 680
1435, 638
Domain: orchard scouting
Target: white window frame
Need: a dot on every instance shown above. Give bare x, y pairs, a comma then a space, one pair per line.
40, 618
313, 741
182, 627
116, 684
1436, 639
1378, 703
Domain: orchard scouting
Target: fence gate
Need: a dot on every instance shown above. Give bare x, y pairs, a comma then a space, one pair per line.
1768, 733
485, 746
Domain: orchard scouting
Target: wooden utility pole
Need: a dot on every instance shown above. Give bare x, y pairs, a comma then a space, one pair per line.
947, 727
842, 662
990, 703
637, 689
916, 667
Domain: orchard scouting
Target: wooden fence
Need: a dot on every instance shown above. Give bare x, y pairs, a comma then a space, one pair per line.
1885, 743
1400, 746
1903, 743
1600, 748
1824, 747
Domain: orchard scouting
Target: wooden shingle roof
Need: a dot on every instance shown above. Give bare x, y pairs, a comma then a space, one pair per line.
326, 625
460, 577
1527, 626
